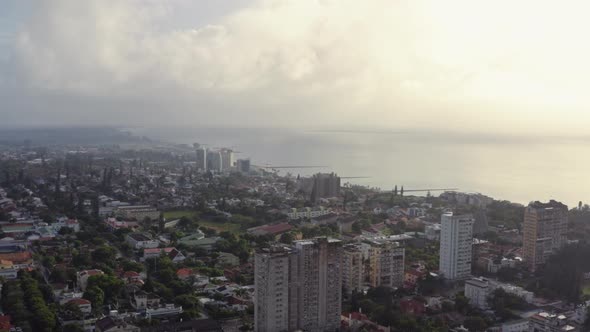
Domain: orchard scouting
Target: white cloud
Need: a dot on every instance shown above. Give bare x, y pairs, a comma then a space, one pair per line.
408, 63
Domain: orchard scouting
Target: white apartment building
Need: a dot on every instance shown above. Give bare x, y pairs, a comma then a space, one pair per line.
386, 263
455, 245
352, 268
307, 213
299, 287
477, 291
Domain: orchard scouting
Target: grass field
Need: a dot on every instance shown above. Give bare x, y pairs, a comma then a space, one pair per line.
220, 227
586, 288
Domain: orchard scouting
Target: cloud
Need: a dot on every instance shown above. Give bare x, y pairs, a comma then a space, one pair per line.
346, 62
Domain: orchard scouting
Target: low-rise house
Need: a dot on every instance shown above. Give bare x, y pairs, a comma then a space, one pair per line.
412, 307
192, 239
144, 300
207, 243
84, 305
132, 277
227, 260
174, 254
547, 322
274, 230
141, 241
356, 322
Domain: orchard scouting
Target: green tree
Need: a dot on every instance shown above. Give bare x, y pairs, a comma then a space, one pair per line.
95, 295
475, 324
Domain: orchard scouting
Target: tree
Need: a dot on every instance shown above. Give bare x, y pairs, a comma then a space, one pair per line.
287, 238
475, 324
461, 303
108, 284
96, 296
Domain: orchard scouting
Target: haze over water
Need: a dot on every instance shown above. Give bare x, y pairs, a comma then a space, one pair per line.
519, 169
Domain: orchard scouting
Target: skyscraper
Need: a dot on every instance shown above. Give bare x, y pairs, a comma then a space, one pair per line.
214, 161
545, 226
243, 165
201, 158
456, 239
305, 280
352, 268
386, 263
227, 158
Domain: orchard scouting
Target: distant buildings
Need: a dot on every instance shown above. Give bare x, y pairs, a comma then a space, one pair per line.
243, 165
299, 287
547, 322
477, 290
214, 161
201, 158
386, 263
325, 185
138, 212
307, 213
227, 159
545, 227
455, 246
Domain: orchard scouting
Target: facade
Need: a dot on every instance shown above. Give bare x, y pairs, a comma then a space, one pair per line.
455, 246
307, 213
298, 287
273, 284
386, 263
477, 291
545, 226
138, 212
352, 268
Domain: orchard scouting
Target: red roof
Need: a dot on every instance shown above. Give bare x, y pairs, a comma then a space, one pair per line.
16, 257
274, 229
5, 323
410, 306
157, 250
130, 274
79, 301
184, 272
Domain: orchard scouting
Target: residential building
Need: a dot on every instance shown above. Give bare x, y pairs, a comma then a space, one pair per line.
548, 322
174, 254
544, 231
386, 263
84, 305
456, 239
275, 287
141, 241
226, 259
319, 275
112, 324
477, 291
299, 287
307, 212
352, 268
138, 212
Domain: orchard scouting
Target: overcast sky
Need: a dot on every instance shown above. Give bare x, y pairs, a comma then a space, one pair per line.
456, 64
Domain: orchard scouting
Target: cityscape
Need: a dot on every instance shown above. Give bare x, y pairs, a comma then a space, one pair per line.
294, 166
153, 236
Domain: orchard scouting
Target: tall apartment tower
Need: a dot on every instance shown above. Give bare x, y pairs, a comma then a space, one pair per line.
214, 161
386, 263
320, 284
325, 185
299, 287
545, 226
352, 268
456, 238
272, 283
227, 158
201, 158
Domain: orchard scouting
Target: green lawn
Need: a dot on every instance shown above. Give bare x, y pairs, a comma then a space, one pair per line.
586, 288
220, 227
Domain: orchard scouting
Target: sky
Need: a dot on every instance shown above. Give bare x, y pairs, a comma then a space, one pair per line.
460, 65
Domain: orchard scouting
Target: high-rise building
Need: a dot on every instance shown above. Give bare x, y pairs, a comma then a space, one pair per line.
325, 185
227, 158
214, 161
456, 239
352, 268
386, 263
274, 277
243, 165
545, 226
305, 280
201, 158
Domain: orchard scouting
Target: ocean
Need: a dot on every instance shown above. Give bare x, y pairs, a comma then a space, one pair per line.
516, 168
